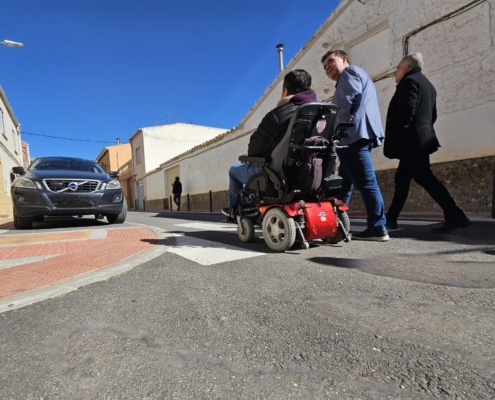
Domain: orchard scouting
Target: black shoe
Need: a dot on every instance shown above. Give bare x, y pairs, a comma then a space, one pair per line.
226, 211
391, 224
452, 225
372, 235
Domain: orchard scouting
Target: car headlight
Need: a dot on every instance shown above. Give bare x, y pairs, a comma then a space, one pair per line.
113, 185
24, 183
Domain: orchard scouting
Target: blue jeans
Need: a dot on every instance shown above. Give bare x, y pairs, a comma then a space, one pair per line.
239, 175
356, 168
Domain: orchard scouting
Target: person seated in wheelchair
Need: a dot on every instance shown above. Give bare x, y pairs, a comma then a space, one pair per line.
296, 90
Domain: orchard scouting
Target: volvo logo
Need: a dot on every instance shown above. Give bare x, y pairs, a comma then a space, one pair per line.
73, 186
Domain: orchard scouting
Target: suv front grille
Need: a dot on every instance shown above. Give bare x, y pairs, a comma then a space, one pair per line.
62, 185
70, 201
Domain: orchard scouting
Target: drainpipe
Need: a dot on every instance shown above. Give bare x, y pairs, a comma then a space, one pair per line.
280, 49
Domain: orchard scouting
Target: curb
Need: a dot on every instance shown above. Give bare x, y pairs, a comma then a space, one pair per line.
101, 274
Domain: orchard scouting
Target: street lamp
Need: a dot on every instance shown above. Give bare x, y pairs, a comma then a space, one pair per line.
10, 43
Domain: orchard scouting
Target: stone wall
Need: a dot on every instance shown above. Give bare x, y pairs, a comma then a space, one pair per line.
201, 202
156, 205
470, 182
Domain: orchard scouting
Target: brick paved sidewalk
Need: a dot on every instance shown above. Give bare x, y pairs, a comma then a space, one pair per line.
72, 254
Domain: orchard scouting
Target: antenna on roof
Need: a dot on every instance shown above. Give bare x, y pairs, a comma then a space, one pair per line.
118, 140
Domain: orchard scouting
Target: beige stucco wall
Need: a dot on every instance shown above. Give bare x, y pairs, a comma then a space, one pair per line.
459, 60
137, 142
114, 157
10, 153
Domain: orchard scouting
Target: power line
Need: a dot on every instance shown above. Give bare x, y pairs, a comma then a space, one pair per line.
63, 138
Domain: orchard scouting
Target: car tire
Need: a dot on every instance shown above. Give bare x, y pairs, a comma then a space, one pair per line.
118, 218
22, 222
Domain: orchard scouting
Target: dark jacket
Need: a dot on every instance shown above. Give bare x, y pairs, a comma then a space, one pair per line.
410, 117
177, 187
273, 126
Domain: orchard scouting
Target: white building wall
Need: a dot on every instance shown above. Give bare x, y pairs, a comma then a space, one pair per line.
167, 141
459, 60
155, 186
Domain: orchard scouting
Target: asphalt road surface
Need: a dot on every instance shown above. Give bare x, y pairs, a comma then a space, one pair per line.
214, 318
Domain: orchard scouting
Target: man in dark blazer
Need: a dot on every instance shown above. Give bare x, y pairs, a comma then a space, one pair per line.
410, 137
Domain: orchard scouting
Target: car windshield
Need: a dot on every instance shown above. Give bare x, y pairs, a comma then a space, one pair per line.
66, 164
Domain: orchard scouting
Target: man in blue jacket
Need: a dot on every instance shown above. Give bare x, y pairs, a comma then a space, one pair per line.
355, 96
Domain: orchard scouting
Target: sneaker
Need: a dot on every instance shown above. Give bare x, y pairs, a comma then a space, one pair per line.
452, 225
226, 211
372, 235
391, 224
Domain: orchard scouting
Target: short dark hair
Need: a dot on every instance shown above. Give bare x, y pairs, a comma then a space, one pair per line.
338, 53
177, 178
296, 81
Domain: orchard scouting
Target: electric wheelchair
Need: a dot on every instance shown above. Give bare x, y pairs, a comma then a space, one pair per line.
293, 196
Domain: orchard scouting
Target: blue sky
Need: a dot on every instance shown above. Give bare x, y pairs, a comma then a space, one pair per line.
100, 69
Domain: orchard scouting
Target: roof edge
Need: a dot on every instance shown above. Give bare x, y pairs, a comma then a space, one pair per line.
3, 96
333, 16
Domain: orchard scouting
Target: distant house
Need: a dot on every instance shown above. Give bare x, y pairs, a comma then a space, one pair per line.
118, 158
26, 158
10, 152
151, 146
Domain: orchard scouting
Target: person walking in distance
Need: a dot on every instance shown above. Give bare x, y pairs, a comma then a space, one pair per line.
356, 99
410, 137
177, 191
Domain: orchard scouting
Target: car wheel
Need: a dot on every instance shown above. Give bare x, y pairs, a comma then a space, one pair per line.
279, 230
346, 222
118, 218
22, 222
245, 230
39, 218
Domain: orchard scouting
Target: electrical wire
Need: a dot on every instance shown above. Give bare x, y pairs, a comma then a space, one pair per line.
405, 40
63, 138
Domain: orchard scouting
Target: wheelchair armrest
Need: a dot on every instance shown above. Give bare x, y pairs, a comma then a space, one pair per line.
299, 147
255, 160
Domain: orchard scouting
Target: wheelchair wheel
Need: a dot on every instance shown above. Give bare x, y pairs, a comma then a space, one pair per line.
344, 218
245, 230
279, 230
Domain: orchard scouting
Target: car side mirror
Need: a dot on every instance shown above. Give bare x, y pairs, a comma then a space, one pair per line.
19, 170
113, 174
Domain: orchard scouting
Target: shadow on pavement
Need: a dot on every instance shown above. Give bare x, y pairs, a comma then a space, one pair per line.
206, 217
479, 233
430, 269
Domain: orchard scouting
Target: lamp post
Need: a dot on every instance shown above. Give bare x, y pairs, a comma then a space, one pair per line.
10, 43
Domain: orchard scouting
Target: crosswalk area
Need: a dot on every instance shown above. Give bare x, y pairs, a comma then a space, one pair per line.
210, 251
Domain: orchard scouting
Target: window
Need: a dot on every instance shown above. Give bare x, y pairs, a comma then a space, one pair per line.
2, 123
371, 50
14, 141
138, 155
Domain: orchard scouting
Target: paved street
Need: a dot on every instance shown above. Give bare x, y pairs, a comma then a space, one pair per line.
198, 314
